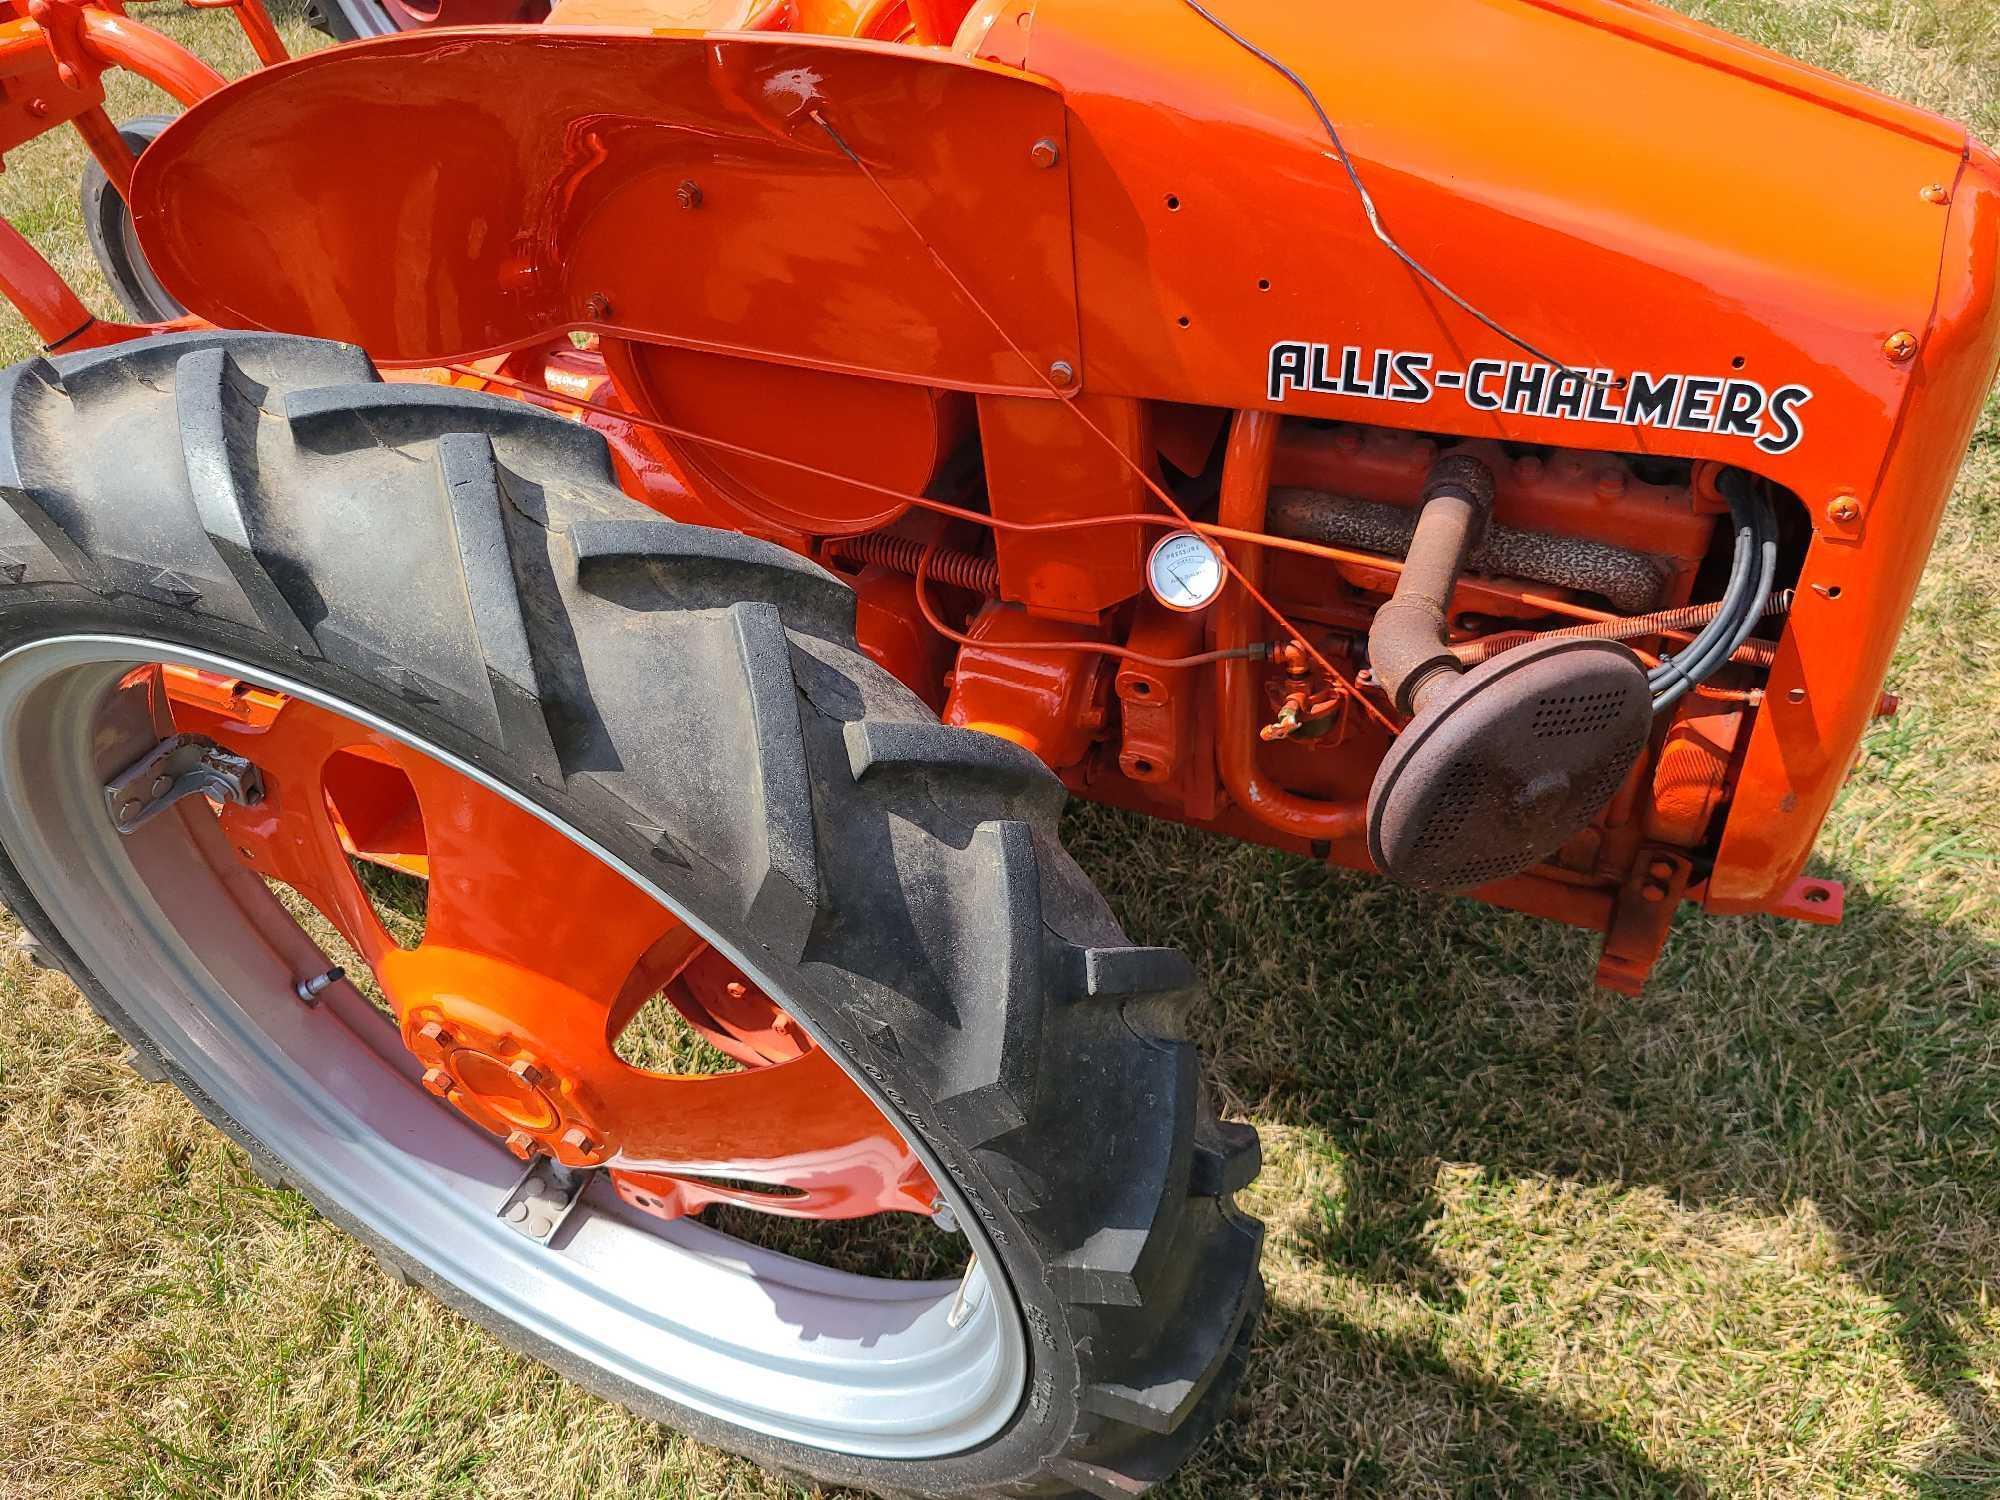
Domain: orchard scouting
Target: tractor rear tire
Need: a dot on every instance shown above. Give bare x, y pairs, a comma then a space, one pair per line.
693, 702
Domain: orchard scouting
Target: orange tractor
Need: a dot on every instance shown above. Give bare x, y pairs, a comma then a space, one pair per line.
693, 484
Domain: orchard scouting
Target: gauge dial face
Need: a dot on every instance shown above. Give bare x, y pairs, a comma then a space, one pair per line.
1185, 572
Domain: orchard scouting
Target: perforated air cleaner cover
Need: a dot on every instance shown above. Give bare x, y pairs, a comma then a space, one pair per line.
1519, 756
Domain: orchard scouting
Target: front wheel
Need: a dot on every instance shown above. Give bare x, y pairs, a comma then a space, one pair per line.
716, 954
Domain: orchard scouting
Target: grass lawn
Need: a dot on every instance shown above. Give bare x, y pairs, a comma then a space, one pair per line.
1740, 1237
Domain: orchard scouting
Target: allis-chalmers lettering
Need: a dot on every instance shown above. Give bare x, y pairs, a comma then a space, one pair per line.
1727, 406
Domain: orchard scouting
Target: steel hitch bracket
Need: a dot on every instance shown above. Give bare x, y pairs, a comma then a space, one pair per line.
182, 765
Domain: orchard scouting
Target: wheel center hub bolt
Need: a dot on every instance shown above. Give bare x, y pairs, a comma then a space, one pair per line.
498, 1076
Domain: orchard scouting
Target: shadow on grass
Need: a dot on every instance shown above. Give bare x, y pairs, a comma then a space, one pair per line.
1768, 1065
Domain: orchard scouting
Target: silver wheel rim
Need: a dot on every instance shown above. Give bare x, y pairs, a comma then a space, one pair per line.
786, 1348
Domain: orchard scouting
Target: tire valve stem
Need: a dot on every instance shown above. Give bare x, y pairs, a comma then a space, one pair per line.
943, 1216
309, 990
964, 1304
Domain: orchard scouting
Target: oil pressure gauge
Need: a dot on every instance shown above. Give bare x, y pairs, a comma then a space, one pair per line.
1184, 571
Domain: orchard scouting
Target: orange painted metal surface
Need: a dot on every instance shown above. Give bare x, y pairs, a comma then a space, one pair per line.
1691, 779
1051, 702
1246, 479
564, 209
535, 957
1042, 464
53, 54
1858, 580
878, 431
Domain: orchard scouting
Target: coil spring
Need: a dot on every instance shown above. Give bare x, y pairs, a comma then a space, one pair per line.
902, 554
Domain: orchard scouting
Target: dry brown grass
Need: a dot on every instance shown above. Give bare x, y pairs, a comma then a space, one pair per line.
1737, 1238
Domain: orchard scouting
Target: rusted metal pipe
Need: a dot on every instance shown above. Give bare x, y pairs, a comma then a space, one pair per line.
1631, 580
1408, 649
1246, 485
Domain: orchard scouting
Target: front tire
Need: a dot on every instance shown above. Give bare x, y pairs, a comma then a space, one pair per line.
107, 224
692, 704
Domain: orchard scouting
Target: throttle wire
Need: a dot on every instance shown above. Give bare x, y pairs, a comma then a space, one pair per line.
1158, 491
1381, 231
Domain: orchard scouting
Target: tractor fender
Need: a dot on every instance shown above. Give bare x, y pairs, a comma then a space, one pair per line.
448, 194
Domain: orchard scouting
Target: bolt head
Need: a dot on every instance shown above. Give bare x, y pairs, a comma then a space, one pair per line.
529, 1072
39, 108
1660, 870
1062, 373
1044, 153
582, 1143
597, 307
1901, 347
1936, 193
440, 1082
1654, 892
434, 1033
688, 194
736, 989
521, 1144
1844, 511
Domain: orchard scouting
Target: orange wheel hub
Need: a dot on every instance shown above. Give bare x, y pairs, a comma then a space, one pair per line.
535, 957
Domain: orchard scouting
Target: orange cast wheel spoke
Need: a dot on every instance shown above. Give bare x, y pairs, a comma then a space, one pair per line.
800, 1126
536, 954
505, 885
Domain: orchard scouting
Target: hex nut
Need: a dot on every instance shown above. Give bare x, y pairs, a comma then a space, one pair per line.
529, 1072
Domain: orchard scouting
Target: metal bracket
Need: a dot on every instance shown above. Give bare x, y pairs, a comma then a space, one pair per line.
182, 766
543, 1198
1821, 902
1640, 917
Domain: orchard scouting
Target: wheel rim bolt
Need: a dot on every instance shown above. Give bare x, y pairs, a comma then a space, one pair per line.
529, 1072
579, 1141
521, 1144
440, 1082
434, 1033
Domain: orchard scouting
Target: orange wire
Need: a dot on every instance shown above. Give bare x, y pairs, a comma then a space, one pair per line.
1158, 491
1318, 551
